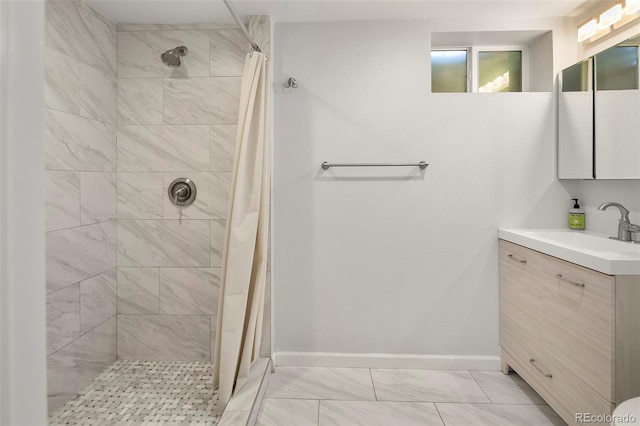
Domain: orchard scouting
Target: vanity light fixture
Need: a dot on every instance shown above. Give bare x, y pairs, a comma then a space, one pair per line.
610, 16
631, 6
587, 30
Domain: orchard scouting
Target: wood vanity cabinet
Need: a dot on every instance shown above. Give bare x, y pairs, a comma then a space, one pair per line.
571, 332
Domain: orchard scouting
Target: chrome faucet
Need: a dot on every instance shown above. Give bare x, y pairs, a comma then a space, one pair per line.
625, 227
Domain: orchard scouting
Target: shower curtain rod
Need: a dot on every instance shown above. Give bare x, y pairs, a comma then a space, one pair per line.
235, 15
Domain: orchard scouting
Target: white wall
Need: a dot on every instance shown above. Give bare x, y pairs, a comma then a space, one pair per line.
22, 290
394, 261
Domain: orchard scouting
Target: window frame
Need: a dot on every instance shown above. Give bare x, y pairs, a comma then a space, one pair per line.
473, 61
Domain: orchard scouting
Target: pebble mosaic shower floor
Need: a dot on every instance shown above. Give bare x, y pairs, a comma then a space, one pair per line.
144, 393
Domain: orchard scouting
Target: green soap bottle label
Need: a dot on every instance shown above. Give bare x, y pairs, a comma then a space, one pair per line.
576, 220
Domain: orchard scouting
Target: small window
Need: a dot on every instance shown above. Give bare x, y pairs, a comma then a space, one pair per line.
449, 71
576, 78
499, 71
617, 68
476, 70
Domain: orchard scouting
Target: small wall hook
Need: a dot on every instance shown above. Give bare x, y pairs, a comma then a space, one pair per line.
291, 83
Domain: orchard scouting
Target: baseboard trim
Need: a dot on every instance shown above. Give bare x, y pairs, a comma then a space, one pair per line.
418, 362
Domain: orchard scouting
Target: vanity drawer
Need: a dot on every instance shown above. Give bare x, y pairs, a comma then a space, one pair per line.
554, 380
578, 321
521, 291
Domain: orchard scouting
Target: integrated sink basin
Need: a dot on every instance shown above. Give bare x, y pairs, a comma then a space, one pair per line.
594, 251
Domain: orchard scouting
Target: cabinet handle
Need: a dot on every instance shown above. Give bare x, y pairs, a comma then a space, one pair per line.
512, 257
577, 284
533, 362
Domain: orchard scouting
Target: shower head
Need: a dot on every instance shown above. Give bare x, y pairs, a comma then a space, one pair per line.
172, 57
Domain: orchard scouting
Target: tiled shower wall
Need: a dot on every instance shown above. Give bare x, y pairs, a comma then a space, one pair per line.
80, 162
173, 122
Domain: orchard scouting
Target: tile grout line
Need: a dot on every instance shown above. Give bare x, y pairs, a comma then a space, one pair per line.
439, 414
373, 384
480, 386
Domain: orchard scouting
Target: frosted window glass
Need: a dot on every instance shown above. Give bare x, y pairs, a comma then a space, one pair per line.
500, 71
448, 71
617, 68
576, 78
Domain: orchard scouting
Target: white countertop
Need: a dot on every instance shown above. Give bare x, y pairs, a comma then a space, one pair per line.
593, 251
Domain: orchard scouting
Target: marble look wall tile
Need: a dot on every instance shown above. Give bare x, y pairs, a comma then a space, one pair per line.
217, 235
163, 243
222, 147
139, 53
173, 27
78, 143
98, 197
140, 195
138, 290
189, 290
164, 337
63, 200
300, 412
212, 200
97, 300
228, 51
427, 386
321, 383
97, 94
214, 328
63, 317
62, 81
498, 415
260, 30
62, 27
79, 253
139, 101
378, 413
73, 367
163, 148
212, 100
98, 43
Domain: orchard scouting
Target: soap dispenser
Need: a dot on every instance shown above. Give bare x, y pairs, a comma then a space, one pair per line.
576, 216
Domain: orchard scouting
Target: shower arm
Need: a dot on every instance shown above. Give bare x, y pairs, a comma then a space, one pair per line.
235, 15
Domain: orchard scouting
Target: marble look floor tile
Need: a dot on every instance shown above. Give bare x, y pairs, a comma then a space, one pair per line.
78, 143
98, 197
140, 195
163, 243
321, 383
139, 53
245, 397
498, 415
222, 146
211, 100
97, 94
427, 386
62, 81
63, 317
217, 234
506, 389
164, 337
138, 290
234, 418
139, 101
378, 413
79, 253
62, 200
228, 51
189, 290
73, 367
97, 300
212, 200
163, 148
278, 412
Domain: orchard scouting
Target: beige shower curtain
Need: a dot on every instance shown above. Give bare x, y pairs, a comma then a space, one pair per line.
244, 268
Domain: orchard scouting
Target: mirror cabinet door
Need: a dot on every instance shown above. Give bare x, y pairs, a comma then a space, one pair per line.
575, 122
617, 113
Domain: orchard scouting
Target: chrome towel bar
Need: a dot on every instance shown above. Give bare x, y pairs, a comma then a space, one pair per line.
326, 165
